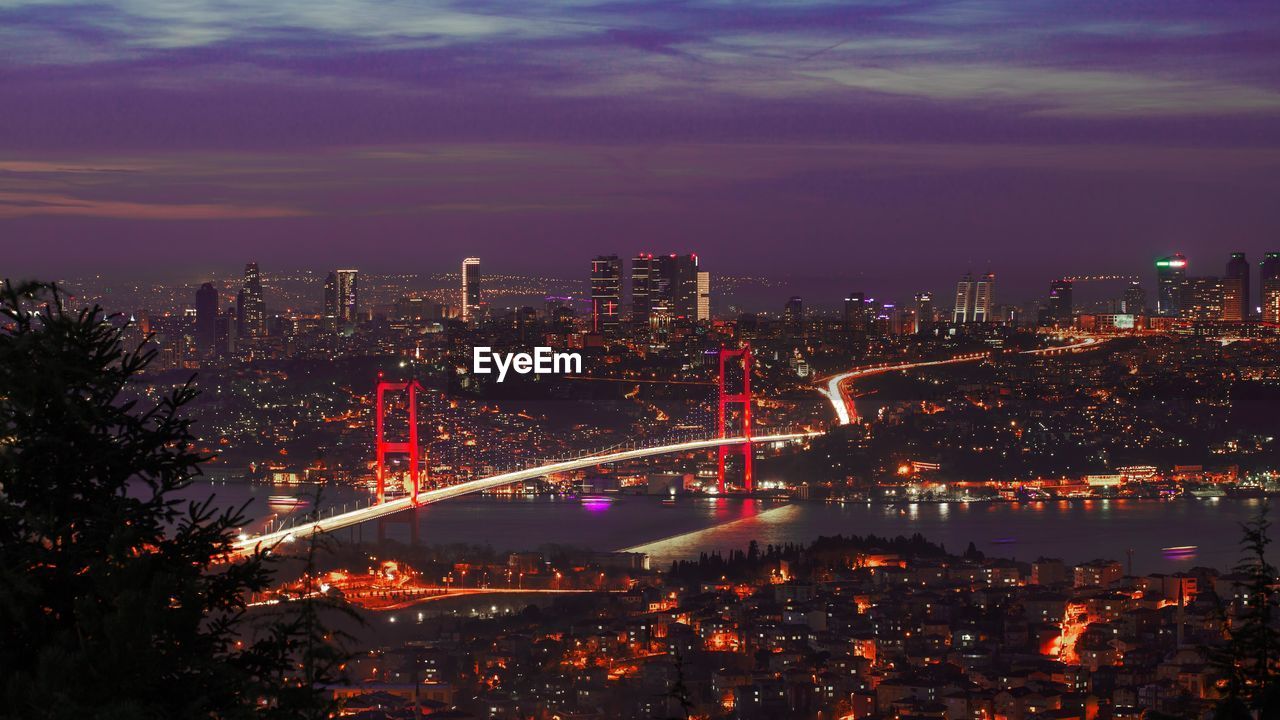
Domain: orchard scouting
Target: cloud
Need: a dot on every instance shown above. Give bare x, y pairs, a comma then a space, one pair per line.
1060, 92
20, 204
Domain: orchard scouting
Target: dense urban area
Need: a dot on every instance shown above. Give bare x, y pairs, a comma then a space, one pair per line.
1167, 398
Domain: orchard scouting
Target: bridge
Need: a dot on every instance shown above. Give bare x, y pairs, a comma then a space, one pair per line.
389, 507
741, 442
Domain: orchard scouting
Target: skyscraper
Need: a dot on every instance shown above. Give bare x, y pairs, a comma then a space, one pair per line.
1269, 277
641, 288
330, 317
678, 285
1061, 308
207, 319
855, 312
1238, 269
1233, 299
924, 310
348, 296
1134, 300
793, 314
964, 299
984, 299
704, 296
341, 299
251, 314
470, 287
606, 294
1171, 274
1200, 298
975, 299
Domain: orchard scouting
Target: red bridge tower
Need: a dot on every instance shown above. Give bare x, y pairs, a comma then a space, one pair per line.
743, 398
410, 447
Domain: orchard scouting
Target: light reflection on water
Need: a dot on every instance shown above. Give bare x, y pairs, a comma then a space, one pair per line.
1072, 530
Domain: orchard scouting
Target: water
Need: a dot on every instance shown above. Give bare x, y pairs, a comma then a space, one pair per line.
1075, 531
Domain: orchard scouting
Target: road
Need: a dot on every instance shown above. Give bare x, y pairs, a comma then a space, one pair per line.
836, 391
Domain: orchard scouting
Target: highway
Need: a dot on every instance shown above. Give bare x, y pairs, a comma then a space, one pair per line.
246, 545
834, 386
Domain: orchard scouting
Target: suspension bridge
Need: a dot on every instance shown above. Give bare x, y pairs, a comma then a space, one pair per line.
739, 441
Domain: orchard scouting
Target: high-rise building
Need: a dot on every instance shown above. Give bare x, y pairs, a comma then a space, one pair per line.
1201, 298
1237, 283
606, 294
470, 288
984, 299
1269, 279
641, 288
341, 299
225, 333
1134, 300
1061, 308
348, 296
704, 296
924, 310
793, 313
975, 299
330, 316
207, 319
678, 285
855, 312
1171, 274
1233, 299
251, 313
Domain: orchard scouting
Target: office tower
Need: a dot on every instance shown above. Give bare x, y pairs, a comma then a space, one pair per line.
793, 313
975, 299
677, 285
1061, 309
1171, 273
207, 319
964, 299
984, 299
855, 312
1233, 299
330, 317
251, 314
1269, 279
470, 288
1237, 279
641, 288
1200, 298
225, 333
924, 310
348, 295
1134, 300
704, 296
606, 294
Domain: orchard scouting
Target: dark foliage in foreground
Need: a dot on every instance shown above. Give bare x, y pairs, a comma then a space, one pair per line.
116, 599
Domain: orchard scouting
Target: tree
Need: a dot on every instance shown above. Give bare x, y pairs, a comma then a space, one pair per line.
116, 599
1253, 647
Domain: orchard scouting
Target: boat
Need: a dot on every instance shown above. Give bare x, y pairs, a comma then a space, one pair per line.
287, 502
1206, 491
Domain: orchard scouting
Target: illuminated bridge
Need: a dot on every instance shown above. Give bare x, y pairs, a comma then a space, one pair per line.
389, 507
742, 442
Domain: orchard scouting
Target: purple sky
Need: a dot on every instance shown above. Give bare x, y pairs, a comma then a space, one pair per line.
891, 143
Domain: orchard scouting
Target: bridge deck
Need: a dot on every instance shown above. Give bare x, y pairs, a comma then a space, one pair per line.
373, 512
